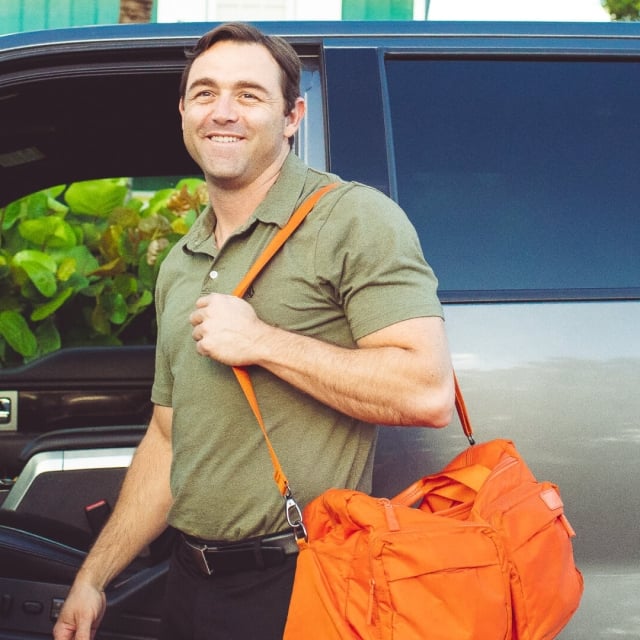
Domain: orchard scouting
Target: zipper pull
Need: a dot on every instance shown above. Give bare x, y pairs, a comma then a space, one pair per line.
392, 521
372, 589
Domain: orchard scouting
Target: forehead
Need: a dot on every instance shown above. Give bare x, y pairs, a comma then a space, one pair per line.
232, 62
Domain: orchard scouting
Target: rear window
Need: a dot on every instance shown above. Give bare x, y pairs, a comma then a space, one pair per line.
521, 176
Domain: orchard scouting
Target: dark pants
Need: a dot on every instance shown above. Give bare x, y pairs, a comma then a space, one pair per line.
249, 605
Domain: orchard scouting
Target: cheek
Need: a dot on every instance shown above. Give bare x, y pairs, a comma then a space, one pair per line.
193, 119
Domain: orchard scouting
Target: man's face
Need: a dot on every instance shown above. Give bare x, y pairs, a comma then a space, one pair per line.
233, 114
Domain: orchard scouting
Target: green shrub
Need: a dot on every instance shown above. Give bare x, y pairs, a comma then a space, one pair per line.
78, 264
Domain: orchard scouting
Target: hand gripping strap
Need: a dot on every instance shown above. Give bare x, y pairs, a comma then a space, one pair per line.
241, 374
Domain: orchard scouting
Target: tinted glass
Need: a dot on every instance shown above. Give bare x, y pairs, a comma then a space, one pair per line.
521, 175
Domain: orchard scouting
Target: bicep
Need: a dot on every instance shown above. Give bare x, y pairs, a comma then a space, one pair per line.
424, 336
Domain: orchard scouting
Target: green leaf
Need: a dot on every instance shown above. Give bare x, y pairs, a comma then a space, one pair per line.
125, 284
124, 217
55, 206
43, 280
50, 231
15, 330
100, 320
33, 206
155, 225
141, 303
96, 197
190, 218
86, 262
5, 270
66, 269
147, 273
33, 255
48, 337
40, 268
54, 192
37, 204
45, 310
159, 200
91, 233
119, 310
11, 213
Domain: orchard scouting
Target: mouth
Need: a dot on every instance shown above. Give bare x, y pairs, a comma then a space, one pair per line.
223, 139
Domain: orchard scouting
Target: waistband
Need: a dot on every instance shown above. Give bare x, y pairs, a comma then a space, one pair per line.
221, 558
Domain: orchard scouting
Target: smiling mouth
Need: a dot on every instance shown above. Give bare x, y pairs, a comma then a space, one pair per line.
224, 139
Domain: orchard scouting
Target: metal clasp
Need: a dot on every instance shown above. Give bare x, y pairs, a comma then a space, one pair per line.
204, 563
294, 516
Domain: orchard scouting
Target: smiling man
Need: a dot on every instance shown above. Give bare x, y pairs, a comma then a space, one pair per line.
343, 331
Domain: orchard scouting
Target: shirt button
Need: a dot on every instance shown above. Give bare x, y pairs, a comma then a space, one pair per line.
213, 274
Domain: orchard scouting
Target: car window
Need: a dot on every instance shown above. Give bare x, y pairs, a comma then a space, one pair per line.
521, 176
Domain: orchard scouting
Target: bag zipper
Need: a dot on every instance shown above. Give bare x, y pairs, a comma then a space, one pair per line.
390, 514
392, 525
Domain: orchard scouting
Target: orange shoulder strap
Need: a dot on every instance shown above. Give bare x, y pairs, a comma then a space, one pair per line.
241, 374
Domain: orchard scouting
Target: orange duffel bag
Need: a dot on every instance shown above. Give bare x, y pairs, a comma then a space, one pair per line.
479, 551
485, 555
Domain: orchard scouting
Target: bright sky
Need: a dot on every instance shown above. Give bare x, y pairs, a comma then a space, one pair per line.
562, 10
551, 10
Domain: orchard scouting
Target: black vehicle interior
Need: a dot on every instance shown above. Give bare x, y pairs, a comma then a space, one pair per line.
121, 99
75, 407
43, 543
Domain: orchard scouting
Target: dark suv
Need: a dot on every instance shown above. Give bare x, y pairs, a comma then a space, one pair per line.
514, 149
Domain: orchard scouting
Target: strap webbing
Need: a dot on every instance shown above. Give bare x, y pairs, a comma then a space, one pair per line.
463, 415
241, 374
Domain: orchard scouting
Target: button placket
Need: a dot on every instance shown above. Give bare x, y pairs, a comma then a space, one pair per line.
210, 280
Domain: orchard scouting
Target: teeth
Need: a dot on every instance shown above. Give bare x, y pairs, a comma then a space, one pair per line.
224, 139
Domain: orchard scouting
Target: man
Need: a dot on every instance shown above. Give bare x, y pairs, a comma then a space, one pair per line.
342, 331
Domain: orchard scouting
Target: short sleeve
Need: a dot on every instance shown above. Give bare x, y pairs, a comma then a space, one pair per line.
370, 254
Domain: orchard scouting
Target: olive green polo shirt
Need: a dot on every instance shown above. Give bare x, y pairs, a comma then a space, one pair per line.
354, 266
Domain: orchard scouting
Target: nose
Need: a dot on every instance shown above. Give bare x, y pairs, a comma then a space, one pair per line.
224, 109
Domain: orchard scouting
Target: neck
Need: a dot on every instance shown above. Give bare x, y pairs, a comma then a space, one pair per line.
233, 206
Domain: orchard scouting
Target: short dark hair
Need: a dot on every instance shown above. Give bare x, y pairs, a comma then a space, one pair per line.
283, 53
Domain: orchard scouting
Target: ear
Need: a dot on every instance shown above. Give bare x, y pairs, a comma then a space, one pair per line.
181, 109
294, 117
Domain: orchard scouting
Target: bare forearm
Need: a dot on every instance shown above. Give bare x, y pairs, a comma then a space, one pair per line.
384, 384
139, 515
400, 374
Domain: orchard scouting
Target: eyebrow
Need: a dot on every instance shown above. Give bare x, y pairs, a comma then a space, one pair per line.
242, 84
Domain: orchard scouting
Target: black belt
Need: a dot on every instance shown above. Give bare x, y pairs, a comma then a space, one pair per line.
213, 558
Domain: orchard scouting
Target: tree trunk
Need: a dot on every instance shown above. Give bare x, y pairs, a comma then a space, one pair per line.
135, 10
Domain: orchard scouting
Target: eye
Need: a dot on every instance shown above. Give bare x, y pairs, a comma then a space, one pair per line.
202, 95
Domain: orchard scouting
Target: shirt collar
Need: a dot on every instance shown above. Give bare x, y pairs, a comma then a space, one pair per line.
276, 208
